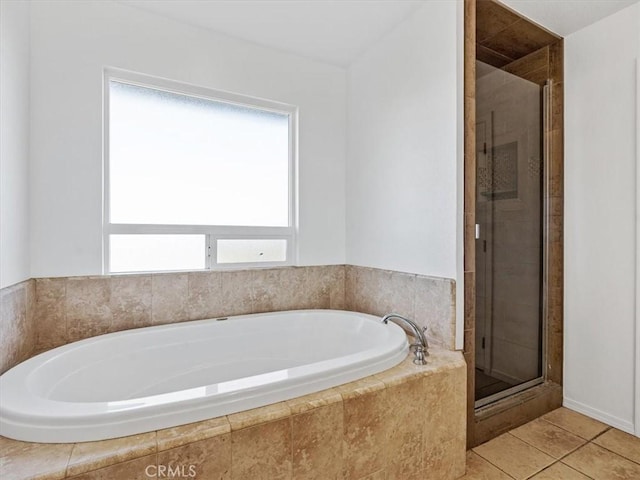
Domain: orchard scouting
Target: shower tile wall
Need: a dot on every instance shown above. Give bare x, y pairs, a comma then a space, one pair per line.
44, 313
507, 283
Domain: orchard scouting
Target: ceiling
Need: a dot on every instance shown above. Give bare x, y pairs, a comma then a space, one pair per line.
565, 17
332, 31
338, 31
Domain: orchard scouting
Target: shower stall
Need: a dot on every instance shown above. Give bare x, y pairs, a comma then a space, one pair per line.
511, 113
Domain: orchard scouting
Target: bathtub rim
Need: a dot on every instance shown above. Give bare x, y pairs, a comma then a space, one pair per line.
123, 450
22, 422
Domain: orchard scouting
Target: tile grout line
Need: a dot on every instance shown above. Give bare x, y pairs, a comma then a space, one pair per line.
564, 456
493, 465
576, 470
614, 452
555, 460
561, 457
575, 434
559, 460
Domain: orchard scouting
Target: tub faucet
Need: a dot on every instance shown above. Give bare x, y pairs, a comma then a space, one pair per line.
419, 348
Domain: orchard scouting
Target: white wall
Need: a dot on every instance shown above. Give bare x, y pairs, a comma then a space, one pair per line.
14, 142
600, 218
402, 147
71, 42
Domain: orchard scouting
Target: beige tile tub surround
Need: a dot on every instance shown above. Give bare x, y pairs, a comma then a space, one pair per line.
44, 313
430, 301
73, 308
406, 423
17, 324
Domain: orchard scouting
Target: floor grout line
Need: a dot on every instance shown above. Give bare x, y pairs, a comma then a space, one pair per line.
548, 455
493, 465
584, 443
576, 470
555, 460
573, 433
526, 443
615, 453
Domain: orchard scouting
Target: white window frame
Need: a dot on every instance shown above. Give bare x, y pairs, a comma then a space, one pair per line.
212, 232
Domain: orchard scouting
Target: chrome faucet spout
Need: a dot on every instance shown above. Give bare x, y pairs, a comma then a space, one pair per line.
420, 348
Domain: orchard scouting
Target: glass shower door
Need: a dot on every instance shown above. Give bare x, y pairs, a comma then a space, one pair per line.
509, 234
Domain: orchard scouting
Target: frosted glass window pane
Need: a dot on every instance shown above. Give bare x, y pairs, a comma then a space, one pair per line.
147, 253
176, 159
251, 251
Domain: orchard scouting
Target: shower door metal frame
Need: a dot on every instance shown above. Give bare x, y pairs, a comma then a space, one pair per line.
488, 239
546, 188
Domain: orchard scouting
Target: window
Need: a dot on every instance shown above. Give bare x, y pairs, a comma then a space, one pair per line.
195, 179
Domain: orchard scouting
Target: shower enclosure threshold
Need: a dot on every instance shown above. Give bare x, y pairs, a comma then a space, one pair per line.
508, 392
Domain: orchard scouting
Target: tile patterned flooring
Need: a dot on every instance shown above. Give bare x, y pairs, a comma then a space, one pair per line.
561, 445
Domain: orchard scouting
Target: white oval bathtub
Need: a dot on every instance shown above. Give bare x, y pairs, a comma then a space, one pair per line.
158, 377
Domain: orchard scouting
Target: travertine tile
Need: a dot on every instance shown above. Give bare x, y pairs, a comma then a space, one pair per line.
446, 460
378, 292
17, 346
469, 300
237, 292
513, 456
446, 419
434, 309
205, 295
139, 469
404, 444
255, 416
317, 443
360, 387
21, 460
130, 301
262, 452
401, 373
379, 475
318, 288
268, 289
87, 456
314, 400
365, 428
192, 432
367, 291
291, 292
479, 469
88, 307
326, 286
575, 423
559, 471
50, 312
170, 292
440, 360
208, 459
596, 462
337, 290
350, 286
29, 334
549, 438
621, 443
397, 294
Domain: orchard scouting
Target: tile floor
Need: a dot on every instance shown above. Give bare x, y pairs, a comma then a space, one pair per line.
561, 445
